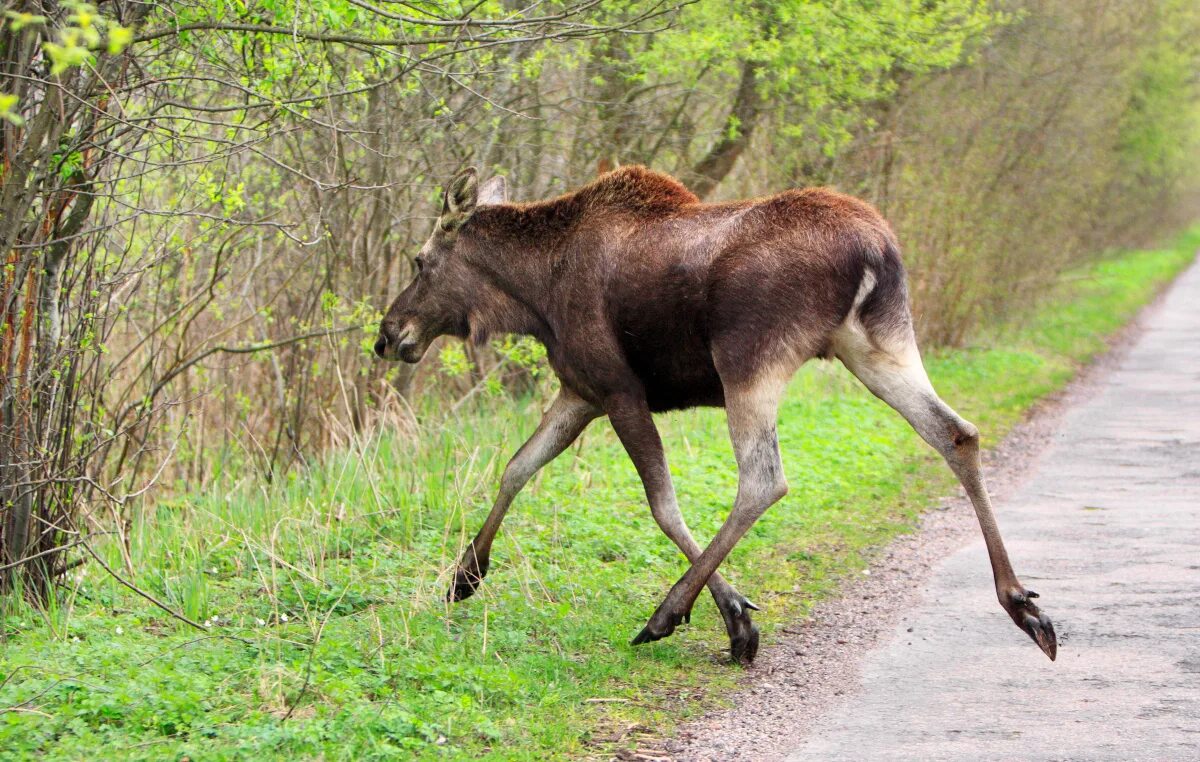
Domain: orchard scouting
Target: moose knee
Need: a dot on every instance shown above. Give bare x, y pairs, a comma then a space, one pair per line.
768, 482
778, 490
516, 474
966, 436
761, 491
963, 445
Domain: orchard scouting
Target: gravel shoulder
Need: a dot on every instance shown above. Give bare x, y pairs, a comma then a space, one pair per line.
810, 681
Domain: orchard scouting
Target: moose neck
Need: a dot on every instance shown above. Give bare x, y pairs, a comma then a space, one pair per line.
514, 247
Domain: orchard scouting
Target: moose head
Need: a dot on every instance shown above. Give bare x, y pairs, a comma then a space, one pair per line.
438, 301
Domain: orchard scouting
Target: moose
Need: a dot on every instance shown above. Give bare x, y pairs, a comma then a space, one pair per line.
649, 300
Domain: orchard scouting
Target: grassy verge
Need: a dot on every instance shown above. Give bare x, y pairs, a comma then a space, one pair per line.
329, 635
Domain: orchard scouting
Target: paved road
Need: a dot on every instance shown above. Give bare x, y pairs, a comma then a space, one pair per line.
1107, 529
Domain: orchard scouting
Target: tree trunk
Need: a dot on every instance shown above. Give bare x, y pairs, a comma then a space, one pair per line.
739, 126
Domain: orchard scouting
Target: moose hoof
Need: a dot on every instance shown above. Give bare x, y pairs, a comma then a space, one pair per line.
660, 626
1034, 622
466, 582
743, 634
743, 647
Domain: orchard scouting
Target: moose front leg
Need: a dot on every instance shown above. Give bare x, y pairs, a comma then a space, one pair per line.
561, 425
631, 419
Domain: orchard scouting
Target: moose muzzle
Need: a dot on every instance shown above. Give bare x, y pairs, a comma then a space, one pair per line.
397, 344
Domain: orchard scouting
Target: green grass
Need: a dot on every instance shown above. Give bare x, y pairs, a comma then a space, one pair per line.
332, 638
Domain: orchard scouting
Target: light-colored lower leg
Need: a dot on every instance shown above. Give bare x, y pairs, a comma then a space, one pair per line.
634, 425
897, 376
751, 409
665, 509
561, 425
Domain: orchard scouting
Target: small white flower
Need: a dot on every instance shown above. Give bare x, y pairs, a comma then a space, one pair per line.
283, 617
75, 639
119, 630
261, 622
208, 624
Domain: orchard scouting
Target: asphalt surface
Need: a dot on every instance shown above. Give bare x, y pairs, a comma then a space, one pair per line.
1107, 529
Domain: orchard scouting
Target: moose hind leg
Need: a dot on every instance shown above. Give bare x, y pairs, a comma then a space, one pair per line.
632, 421
751, 407
897, 377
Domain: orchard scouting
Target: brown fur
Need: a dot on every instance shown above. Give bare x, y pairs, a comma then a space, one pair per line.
634, 285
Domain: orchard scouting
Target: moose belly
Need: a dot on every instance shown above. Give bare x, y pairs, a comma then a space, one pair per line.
660, 320
676, 371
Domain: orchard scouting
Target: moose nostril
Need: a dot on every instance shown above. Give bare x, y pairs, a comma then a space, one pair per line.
380, 345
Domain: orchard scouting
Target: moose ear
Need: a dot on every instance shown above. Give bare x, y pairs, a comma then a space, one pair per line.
462, 195
494, 191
